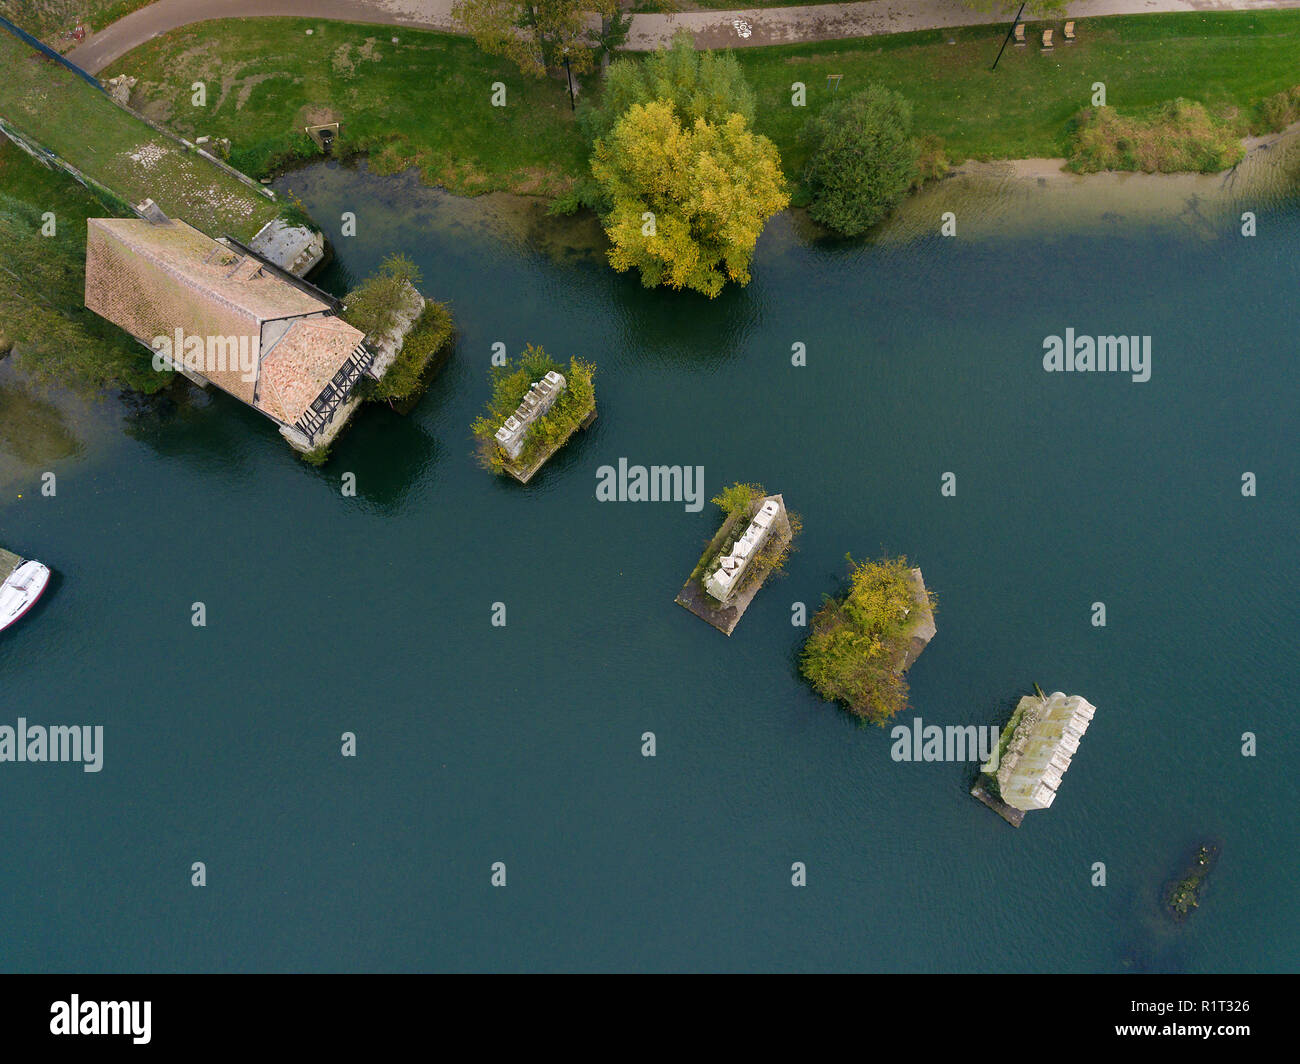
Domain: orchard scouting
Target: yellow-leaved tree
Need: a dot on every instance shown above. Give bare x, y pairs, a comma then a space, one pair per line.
687, 200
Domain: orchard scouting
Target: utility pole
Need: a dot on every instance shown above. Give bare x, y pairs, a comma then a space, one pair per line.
1012, 30
569, 74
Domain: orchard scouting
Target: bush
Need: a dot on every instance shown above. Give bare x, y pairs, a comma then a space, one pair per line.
373, 304
430, 333
863, 159
1175, 137
856, 650
707, 85
1279, 111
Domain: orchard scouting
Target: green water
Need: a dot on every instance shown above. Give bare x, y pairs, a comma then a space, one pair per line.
522, 744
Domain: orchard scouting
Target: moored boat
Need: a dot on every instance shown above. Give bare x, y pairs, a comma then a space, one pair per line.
20, 590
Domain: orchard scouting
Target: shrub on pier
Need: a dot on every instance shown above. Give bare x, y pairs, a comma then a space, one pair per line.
858, 644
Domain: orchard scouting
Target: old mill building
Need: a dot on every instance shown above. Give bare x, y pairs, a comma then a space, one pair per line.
221, 314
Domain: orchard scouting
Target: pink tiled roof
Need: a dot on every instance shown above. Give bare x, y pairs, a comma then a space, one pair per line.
215, 272
298, 367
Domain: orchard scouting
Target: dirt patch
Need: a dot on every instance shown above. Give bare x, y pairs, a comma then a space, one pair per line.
315, 115
149, 100
347, 56
533, 181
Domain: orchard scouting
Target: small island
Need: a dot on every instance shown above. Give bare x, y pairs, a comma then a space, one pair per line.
409, 335
752, 543
862, 644
1033, 754
407, 340
535, 407
1184, 894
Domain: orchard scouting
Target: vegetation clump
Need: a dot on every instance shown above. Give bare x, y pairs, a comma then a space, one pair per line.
429, 336
1278, 111
510, 383
858, 645
1178, 136
539, 35
863, 159
1185, 893
374, 306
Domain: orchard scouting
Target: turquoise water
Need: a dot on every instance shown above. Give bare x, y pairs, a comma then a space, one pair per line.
522, 744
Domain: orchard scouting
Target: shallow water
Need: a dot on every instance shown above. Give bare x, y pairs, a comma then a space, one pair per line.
522, 744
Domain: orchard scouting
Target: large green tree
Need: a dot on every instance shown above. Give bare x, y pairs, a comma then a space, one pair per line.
706, 85
687, 201
864, 158
538, 35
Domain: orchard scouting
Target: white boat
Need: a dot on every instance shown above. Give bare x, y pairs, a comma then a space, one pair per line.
20, 590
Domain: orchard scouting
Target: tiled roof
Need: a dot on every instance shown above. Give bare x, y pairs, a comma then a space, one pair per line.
222, 274
297, 368
152, 279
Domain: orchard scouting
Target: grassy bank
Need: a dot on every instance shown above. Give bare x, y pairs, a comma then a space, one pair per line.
1230, 62
425, 102
42, 284
50, 19
49, 103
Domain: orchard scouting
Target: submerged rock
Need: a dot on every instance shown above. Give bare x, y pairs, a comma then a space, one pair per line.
1184, 894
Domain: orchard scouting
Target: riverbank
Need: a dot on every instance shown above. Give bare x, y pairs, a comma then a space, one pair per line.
274, 78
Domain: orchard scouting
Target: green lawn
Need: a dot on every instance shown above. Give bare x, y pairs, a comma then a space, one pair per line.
425, 102
49, 103
1023, 109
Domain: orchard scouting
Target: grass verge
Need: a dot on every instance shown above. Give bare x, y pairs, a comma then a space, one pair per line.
425, 102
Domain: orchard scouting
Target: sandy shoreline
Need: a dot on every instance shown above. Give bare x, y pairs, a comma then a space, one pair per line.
1009, 197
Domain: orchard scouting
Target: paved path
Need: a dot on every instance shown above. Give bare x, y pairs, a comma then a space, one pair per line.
712, 29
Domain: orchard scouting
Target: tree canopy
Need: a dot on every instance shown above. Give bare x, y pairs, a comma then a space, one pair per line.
687, 202
864, 159
704, 85
537, 35
858, 643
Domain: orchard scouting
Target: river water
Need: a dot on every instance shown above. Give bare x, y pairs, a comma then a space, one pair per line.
522, 744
